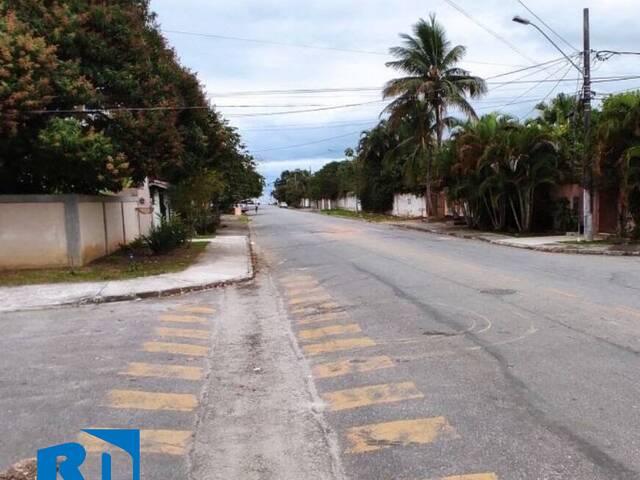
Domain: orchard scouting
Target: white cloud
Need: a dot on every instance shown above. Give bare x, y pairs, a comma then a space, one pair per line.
372, 25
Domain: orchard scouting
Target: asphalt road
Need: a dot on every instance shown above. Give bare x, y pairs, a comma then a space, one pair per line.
360, 351
479, 359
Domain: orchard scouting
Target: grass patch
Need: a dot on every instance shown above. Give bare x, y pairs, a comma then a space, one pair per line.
369, 217
121, 265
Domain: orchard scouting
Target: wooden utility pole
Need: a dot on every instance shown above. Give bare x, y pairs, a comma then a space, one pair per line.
587, 165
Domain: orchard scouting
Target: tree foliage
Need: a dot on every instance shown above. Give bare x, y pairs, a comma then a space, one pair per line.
149, 115
618, 162
432, 82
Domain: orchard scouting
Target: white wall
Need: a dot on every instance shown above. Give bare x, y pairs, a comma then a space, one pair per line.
408, 205
66, 230
32, 234
349, 202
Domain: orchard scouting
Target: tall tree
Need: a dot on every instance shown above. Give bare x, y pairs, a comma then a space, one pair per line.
432, 80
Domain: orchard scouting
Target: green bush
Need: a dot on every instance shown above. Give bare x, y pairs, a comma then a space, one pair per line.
167, 236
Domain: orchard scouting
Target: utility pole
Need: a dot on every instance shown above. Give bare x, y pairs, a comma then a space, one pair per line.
586, 165
585, 71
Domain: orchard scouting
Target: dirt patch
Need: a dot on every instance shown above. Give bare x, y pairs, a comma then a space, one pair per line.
24, 470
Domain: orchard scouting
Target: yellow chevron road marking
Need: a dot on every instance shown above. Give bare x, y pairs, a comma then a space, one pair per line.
371, 395
315, 333
369, 438
629, 311
323, 317
337, 345
309, 300
182, 318
196, 309
304, 290
352, 365
182, 333
176, 349
166, 442
312, 308
139, 400
163, 371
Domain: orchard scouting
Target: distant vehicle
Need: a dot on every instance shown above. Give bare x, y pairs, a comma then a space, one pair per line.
283, 205
246, 205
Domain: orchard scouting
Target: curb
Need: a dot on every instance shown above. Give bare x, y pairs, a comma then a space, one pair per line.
558, 249
167, 292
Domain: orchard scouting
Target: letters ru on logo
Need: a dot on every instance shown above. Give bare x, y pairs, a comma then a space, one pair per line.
74, 455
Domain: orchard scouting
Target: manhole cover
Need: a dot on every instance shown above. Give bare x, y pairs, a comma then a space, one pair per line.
498, 292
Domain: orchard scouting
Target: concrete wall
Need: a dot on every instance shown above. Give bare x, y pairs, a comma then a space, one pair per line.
349, 202
408, 205
32, 234
67, 230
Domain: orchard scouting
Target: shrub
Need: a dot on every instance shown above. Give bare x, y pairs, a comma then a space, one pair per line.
167, 236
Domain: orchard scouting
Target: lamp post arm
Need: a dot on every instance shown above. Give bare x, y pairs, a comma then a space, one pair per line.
557, 47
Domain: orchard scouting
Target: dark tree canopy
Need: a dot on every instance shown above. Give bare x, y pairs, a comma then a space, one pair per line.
110, 58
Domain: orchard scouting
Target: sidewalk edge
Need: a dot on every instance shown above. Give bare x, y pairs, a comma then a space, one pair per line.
167, 292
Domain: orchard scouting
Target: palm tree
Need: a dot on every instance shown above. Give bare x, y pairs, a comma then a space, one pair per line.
432, 81
413, 126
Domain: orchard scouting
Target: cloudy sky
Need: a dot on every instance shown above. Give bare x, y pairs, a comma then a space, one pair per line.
256, 84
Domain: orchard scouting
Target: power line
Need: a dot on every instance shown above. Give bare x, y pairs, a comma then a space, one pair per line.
328, 139
603, 55
538, 84
334, 107
270, 106
331, 107
273, 42
307, 46
91, 111
548, 27
314, 127
550, 62
303, 91
550, 91
489, 30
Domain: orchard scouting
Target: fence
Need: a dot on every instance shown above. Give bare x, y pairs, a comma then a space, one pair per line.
67, 230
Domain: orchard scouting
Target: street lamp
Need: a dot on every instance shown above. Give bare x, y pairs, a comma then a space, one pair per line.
526, 21
586, 99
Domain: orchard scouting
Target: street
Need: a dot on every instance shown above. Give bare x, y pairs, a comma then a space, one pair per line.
359, 351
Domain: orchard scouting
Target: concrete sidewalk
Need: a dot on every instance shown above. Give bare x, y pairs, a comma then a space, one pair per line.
550, 243
226, 259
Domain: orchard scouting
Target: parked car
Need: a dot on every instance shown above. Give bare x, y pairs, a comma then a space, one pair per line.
283, 205
246, 205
